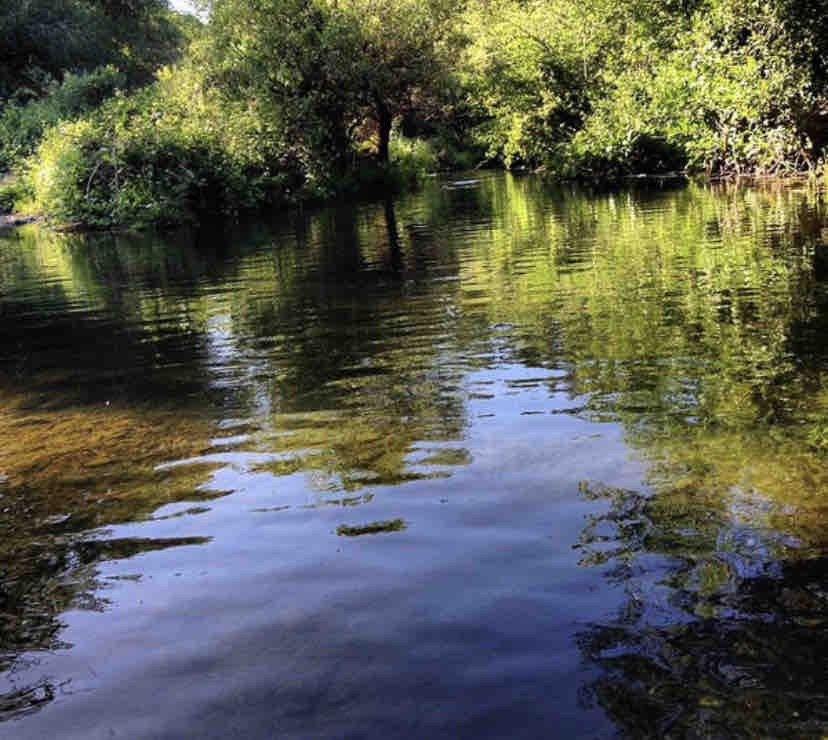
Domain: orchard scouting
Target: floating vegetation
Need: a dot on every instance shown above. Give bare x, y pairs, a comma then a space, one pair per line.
26, 700
391, 525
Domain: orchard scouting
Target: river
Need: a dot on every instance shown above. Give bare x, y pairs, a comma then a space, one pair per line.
492, 459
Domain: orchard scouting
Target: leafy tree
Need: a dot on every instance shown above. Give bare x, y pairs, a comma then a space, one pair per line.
325, 67
532, 68
40, 40
404, 52
294, 60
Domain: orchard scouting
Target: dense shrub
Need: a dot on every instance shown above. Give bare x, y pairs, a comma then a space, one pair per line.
9, 194
724, 100
611, 88
530, 69
411, 159
167, 154
22, 126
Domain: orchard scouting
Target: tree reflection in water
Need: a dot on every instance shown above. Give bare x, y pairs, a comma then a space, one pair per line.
336, 350
724, 632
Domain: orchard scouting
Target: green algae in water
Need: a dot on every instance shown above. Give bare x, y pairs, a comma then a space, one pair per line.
391, 525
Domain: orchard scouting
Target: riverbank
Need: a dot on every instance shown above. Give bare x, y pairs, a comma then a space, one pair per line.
397, 183
588, 91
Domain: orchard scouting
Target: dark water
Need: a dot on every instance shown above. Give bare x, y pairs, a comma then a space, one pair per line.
484, 461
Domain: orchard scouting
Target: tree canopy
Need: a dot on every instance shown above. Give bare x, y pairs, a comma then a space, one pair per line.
329, 67
41, 40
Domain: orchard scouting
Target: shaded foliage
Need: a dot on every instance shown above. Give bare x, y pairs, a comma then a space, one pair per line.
41, 40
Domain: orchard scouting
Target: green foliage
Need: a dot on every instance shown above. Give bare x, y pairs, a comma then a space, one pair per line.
817, 436
41, 40
167, 154
291, 56
412, 158
724, 100
334, 68
271, 109
22, 126
605, 89
403, 59
528, 67
282, 100
14, 192
7, 199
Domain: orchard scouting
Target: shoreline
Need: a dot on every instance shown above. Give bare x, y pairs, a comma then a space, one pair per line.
10, 221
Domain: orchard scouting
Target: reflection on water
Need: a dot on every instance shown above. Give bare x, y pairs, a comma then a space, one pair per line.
490, 460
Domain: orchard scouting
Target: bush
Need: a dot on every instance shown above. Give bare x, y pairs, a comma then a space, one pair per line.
723, 101
601, 90
22, 126
7, 199
411, 159
168, 154
177, 150
14, 195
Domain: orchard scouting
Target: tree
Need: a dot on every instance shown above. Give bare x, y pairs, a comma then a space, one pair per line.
41, 40
326, 65
406, 49
291, 59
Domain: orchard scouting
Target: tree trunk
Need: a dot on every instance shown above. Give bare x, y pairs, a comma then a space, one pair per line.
384, 119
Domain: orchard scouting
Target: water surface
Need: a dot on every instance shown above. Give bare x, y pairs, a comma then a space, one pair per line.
490, 460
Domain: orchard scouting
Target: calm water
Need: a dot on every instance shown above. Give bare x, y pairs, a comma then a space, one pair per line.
490, 460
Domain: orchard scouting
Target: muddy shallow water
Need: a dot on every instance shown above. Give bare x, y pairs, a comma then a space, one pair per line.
490, 460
